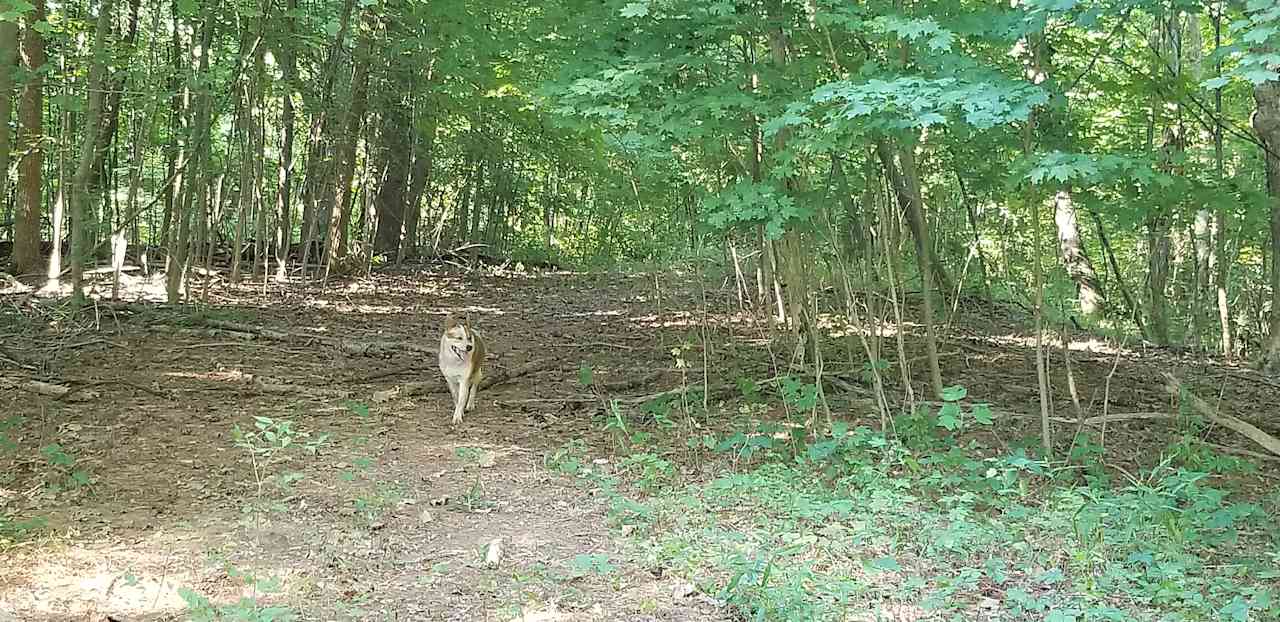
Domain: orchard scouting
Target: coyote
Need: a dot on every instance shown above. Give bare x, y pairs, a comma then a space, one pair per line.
461, 362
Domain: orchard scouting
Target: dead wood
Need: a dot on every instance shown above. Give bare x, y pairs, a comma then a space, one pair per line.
349, 346
49, 389
12, 359
271, 385
1176, 388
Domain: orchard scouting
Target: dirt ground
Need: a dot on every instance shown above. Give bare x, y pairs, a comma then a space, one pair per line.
394, 514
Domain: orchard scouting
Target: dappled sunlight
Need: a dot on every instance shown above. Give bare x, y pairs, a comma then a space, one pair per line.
233, 375
1088, 344
85, 579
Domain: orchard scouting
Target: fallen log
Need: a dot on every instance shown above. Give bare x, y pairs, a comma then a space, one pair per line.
1178, 389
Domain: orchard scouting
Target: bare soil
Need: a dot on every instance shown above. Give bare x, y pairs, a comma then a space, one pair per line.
393, 516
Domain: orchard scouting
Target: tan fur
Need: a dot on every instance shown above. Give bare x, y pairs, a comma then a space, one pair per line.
461, 363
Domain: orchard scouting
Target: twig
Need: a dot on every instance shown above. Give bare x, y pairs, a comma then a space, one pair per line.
601, 344
79, 387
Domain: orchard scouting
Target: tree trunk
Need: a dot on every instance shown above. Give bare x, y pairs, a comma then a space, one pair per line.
423, 165
8, 63
1088, 286
390, 201
339, 215
1219, 226
1158, 249
1266, 122
109, 122
1134, 307
243, 130
88, 149
26, 229
913, 208
318, 159
971, 214
198, 147
284, 175
258, 132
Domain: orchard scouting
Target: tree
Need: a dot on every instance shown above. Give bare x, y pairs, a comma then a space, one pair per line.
26, 230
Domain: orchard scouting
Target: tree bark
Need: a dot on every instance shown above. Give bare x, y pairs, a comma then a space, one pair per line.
26, 228
88, 149
8, 58
284, 174
198, 146
390, 201
317, 163
1218, 228
423, 168
913, 207
1266, 122
1088, 287
340, 210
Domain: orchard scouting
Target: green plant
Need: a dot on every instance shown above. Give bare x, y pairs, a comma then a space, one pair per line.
64, 473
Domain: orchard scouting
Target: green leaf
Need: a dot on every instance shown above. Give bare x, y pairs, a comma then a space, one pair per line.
982, 414
635, 9
1215, 83
887, 564
1062, 615
585, 374
954, 393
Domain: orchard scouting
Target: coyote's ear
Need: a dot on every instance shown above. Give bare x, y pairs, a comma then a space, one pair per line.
450, 321
466, 320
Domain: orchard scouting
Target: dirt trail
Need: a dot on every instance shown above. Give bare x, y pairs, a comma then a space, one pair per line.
392, 518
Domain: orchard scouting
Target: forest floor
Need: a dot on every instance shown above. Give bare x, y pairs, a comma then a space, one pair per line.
132, 498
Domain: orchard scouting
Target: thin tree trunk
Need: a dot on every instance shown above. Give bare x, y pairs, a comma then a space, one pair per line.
243, 133
972, 214
1134, 307
1088, 288
284, 175
1266, 122
340, 212
913, 209
423, 168
390, 201
1218, 228
26, 229
317, 163
109, 123
84, 167
199, 146
258, 135
8, 63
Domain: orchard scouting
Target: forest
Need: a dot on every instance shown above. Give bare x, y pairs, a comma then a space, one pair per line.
795, 310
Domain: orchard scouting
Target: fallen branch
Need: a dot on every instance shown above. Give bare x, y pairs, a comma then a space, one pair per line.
349, 346
1176, 388
268, 385
592, 344
48, 389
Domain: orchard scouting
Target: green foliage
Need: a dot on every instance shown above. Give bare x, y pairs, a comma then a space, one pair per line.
64, 475
774, 542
